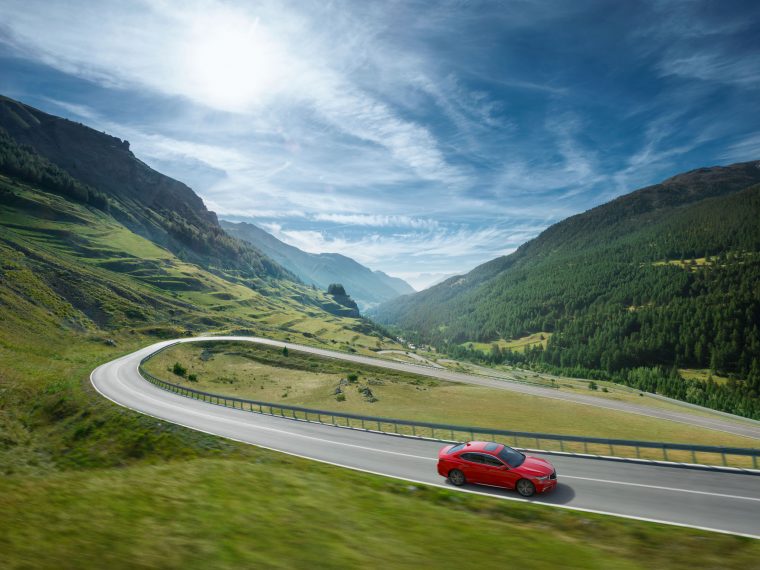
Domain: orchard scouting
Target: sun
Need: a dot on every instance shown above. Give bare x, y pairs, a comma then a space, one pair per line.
233, 63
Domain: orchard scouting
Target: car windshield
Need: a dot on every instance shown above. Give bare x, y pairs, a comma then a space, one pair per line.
511, 457
455, 448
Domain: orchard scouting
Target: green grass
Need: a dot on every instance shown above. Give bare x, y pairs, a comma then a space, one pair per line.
515, 345
701, 375
275, 511
264, 374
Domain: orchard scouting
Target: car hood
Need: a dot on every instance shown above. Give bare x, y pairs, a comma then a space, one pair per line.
536, 466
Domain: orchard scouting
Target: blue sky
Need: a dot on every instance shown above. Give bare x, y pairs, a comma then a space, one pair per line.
420, 138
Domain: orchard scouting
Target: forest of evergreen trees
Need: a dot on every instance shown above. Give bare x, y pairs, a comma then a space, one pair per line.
23, 163
630, 301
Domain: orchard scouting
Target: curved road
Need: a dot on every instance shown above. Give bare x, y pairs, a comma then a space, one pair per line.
740, 426
717, 501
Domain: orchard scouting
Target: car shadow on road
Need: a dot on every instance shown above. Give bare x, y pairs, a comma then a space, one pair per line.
562, 495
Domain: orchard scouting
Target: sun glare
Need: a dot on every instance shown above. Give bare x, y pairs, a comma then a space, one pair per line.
233, 63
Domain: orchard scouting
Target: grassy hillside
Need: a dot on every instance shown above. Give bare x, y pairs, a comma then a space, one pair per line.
101, 168
621, 287
366, 286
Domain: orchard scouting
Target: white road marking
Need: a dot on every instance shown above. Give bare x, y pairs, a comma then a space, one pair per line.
659, 487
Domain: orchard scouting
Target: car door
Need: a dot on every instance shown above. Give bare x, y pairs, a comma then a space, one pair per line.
495, 471
503, 475
473, 468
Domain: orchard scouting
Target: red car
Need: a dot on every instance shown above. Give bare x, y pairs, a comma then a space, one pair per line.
488, 463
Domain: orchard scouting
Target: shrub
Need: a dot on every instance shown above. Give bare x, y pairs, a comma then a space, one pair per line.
179, 370
284, 350
340, 397
593, 385
352, 377
193, 377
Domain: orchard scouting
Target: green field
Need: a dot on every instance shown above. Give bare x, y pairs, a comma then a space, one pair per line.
265, 374
515, 344
702, 375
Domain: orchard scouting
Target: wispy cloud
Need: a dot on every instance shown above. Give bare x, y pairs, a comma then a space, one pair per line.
380, 221
420, 138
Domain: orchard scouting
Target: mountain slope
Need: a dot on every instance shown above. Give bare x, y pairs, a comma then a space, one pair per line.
668, 275
69, 247
366, 286
149, 203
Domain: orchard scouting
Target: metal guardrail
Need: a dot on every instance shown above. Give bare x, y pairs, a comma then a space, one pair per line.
677, 452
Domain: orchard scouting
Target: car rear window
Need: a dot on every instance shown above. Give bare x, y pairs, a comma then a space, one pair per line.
455, 448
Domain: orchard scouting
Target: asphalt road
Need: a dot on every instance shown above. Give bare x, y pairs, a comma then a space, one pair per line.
739, 426
717, 501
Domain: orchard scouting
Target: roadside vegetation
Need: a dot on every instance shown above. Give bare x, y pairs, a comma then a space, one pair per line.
262, 373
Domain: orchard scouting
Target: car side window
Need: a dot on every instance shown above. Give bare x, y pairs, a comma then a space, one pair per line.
472, 457
492, 461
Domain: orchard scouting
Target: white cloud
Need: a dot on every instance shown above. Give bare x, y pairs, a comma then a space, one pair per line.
714, 66
377, 220
747, 148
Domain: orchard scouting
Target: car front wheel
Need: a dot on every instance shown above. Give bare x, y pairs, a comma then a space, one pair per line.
457, 477
525, 488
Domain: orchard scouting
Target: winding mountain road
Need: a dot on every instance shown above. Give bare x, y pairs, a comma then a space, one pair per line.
711, 500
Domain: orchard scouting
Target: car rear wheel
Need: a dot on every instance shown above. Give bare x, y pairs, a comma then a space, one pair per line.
525, 488
457, 477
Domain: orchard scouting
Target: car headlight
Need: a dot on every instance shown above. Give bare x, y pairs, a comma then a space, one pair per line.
544, 478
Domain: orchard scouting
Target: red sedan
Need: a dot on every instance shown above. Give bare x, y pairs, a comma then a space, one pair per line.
488, 463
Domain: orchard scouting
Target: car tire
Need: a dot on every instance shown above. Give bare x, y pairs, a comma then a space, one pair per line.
456, 477
525, 488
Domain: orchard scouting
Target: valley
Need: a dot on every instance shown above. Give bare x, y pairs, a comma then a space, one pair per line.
101, 255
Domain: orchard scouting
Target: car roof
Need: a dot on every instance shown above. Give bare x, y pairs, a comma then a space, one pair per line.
483, 446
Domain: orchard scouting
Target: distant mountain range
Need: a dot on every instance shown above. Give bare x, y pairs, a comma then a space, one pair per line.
366, 286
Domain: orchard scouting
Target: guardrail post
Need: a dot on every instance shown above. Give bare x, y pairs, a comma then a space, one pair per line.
561, 445
637, 452
723, 454
452, 435
612, 451
414, 431
665, 452
433, 432
693, 456
754, 461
